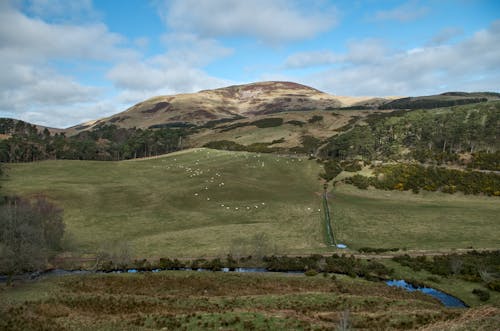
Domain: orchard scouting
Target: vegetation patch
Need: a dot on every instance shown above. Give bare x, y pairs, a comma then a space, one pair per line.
481, 267
296, 123
416, 177
268, 122
200, 301
315, 119
430, 102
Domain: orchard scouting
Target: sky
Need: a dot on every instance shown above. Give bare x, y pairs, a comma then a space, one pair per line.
67, 62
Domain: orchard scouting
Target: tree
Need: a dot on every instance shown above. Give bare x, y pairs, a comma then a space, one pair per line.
29, 230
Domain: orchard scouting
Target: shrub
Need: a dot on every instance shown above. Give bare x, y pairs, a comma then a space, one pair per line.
268, 122
315, 118
482, 294
494, 285
311, 273
295, 122
359, 181
351, 166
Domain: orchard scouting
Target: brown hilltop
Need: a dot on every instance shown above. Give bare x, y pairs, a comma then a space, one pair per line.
247, 100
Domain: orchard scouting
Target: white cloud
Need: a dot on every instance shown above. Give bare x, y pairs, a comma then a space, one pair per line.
446, 35
177, 70
365, 51
406, 12
153, 77
358, 52
192, 49
31, 85
471, 65
274, 21
33, 39
66, 116
310, 59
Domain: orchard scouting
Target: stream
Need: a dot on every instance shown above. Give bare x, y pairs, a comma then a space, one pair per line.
446, 299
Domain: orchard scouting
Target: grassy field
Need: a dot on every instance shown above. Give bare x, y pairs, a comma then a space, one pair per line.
220, 301
427, 221
203, 203
193, 203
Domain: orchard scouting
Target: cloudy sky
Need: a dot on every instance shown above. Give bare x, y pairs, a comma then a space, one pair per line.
65, 62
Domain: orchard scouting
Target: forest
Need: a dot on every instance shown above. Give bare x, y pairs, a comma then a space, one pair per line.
436, 136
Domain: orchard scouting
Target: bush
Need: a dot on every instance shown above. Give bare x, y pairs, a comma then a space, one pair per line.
482, 294
268, 122
351, 166
315, 118
376, 250
494, 285
311, 273
295, 122
359, 181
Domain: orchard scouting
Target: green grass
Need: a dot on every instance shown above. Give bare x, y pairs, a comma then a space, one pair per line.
161, 207
428, 221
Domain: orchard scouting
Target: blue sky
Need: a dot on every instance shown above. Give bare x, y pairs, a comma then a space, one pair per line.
67, 62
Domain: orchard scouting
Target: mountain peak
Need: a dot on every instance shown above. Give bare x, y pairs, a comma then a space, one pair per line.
268, 86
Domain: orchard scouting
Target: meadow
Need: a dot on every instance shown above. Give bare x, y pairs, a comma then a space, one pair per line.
205, 203
424, 221
193, 203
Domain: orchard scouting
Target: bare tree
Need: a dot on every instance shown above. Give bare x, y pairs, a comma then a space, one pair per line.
28, 231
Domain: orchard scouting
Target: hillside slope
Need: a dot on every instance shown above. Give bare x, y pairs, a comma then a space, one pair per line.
229, 102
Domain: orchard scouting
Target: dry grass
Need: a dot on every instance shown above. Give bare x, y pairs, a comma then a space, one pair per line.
199, 301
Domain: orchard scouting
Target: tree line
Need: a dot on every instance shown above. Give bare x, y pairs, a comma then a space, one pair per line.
105, 142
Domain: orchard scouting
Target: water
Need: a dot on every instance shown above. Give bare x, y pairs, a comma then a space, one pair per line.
446, 299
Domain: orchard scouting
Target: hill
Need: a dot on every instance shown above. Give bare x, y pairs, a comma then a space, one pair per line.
231, 102
191, 203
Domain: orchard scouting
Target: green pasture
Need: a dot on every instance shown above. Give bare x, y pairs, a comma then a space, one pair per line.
198, 202
428, 220
204, 203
